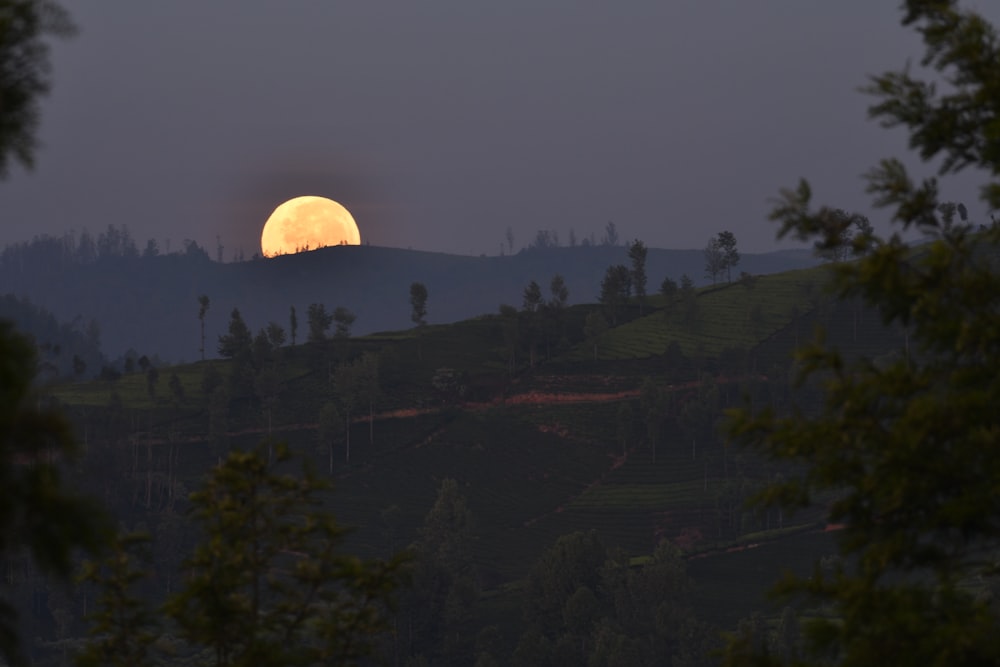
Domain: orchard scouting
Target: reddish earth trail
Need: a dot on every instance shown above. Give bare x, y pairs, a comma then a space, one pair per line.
530, 397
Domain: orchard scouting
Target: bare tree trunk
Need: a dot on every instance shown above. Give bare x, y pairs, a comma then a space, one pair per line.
149, 471
348, 436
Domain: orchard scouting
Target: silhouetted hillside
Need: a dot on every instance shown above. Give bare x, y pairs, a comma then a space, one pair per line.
150, 304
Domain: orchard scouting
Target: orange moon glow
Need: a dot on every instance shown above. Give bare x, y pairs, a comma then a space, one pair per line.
307, 223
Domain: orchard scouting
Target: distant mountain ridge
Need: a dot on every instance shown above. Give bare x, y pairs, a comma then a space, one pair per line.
149, 304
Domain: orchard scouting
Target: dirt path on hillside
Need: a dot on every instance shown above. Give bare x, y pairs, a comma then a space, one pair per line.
530, 397
736, 548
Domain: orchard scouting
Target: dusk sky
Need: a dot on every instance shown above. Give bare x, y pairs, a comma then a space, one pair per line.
439, 124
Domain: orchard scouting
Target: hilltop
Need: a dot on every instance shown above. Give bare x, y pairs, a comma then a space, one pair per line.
149, 304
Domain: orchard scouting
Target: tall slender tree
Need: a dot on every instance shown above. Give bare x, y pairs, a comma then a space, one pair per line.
726, 242
594, 326
610, 235
531, 308
202, 311
347, 389
637, 255
616, 287
418, 304
715, 259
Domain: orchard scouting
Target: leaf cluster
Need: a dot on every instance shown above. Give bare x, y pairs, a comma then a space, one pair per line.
25, 73
267, 584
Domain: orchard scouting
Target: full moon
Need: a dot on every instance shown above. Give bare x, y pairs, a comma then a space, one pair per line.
307, 223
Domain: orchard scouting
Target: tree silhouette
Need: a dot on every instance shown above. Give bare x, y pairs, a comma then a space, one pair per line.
905, 452
610, 237
726, 242
616, 287
319, 322
637, 255
418, 303
278, 592
715, 259
238, 340
202, 311
343, 320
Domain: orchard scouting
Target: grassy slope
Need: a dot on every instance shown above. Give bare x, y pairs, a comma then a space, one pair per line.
735, 315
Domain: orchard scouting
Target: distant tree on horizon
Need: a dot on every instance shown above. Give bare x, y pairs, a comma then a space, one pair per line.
616, 287
532, 298
532, 305
545, 239
238, 340
202, 311
555, 311
319, 322
559, 292
343, 319
715, 261
418, 303
668, 288
637, 254
730, 255
610, 237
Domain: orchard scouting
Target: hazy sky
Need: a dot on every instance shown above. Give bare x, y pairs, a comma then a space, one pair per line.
441, 123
